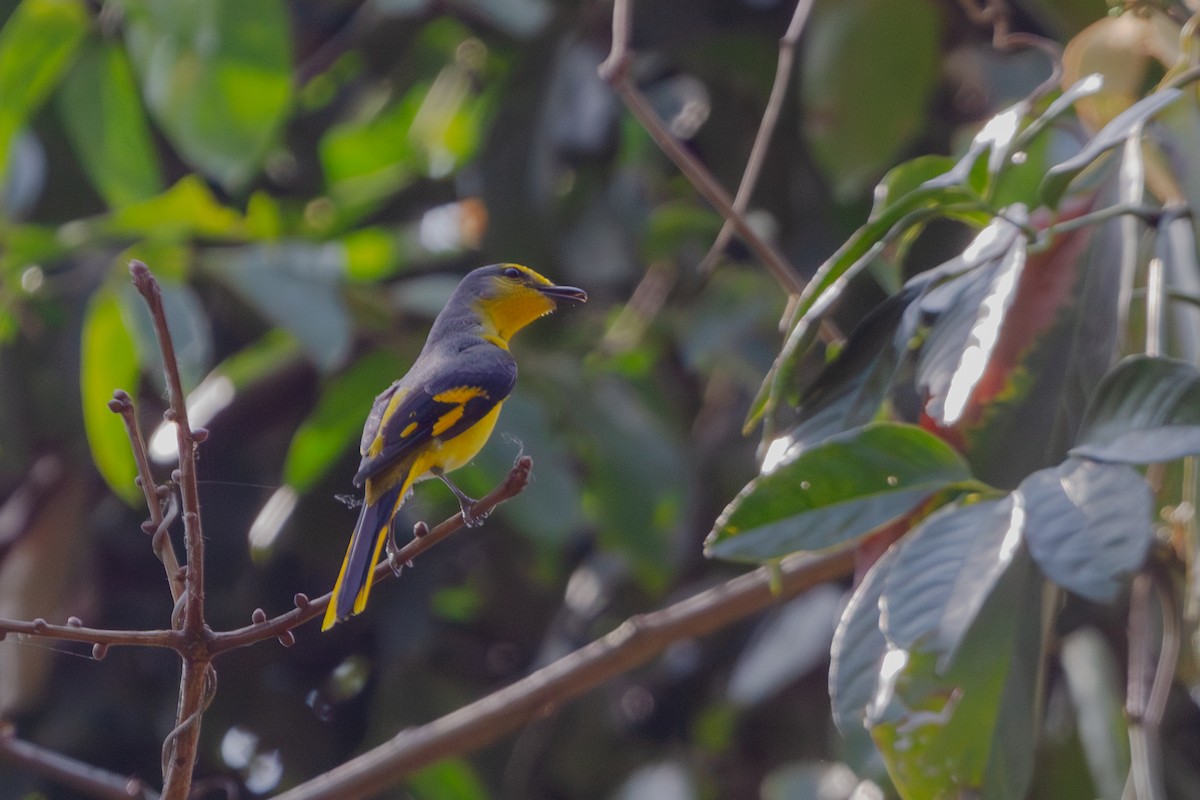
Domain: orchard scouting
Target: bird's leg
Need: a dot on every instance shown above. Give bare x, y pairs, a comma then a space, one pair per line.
393, 550
465, 502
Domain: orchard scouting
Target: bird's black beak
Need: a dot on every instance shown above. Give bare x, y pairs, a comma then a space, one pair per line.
569, 293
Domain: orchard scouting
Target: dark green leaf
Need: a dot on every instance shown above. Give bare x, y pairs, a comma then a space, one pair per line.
944, 572
1097, 691
337, 420
857, 117
102, 114
636, 480
905, 178
1088, 525
837, 491
1114, 133
967, 730
37, 44
858, 649
108, 362
969, 313
890, 219
850, 390
1147, 409
217, 75
297, 286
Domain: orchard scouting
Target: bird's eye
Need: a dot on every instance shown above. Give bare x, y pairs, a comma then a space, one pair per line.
512, 272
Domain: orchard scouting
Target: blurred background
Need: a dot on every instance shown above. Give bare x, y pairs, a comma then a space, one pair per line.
309, 180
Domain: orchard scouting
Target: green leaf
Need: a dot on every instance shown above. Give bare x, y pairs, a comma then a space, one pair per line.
102, 114
37, 44
890, 218
903, 179
108, 361
217, 75
1097, 690
271, 352
367, 160
187, 209
448, 779
1146, 410
968, 731
944, 572
834, 492
636, 480
296, 286
1088, 525
372, 254
858, 648
1114, 133
857, 117
336, 422
970, 311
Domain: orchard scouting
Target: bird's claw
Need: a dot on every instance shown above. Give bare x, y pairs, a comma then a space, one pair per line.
471, 519
392, 558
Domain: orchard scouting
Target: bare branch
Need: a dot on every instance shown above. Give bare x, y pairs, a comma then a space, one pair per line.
281, 626
635, 642
122, 404
195, 680
79, 776
78, 633
151, 292
615, 70
766, 129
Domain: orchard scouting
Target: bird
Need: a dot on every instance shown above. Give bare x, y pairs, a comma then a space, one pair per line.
440, 414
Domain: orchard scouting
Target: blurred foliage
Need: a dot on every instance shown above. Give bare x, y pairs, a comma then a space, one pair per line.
308, 180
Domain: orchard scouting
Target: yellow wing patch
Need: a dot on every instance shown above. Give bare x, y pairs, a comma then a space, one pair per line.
377, 443
408, 430
458, 397
460, 394
445, 421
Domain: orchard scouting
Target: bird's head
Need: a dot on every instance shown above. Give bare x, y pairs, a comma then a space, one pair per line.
509, 296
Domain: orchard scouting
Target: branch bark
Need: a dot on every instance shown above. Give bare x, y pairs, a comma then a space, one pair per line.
197, 676
82, 777
635, 642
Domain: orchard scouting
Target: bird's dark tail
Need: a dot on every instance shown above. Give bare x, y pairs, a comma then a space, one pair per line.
354, 581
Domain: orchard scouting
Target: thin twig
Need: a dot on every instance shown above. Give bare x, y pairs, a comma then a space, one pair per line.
79, 776
78, 633
635, 642
189, 493
616, 71
281, 626
766, 129
122, 404
194, 679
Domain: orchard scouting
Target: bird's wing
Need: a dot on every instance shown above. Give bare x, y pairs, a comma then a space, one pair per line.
438, 400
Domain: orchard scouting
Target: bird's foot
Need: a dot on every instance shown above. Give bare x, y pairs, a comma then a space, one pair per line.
393, 555
470, 518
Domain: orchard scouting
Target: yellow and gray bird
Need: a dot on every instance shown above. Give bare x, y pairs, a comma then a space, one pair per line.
439, 415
